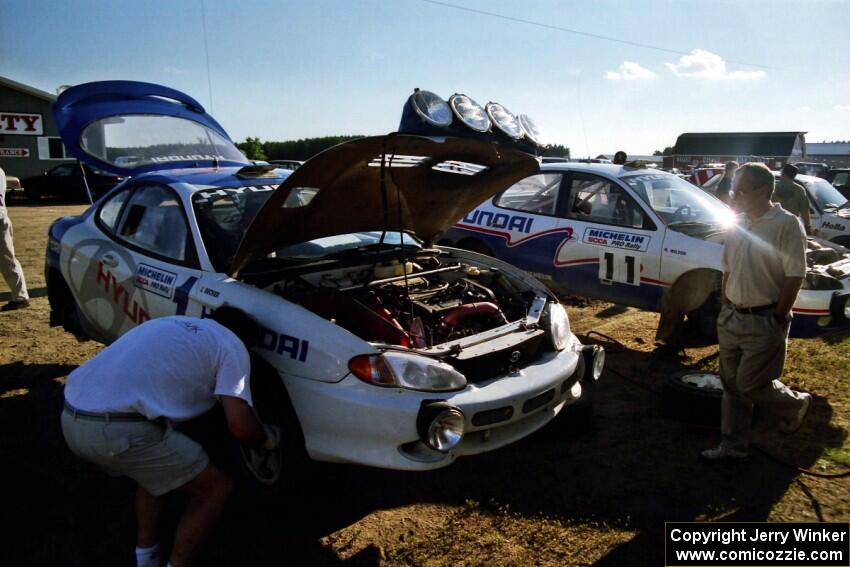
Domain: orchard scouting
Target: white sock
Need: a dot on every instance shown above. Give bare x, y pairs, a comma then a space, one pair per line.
148, 556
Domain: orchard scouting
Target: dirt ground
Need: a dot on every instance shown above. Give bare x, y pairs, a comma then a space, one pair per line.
596, 496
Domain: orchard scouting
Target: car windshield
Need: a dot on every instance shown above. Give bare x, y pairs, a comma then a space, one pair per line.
677, 202
825, 195
225, 213
343, 244
133, 141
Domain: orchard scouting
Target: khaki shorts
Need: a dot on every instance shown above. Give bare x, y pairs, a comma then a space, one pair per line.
159, 458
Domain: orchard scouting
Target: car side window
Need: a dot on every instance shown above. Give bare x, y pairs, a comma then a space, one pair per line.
109, 211
594, 199
65, 170
155, 222
536, 194
842, 178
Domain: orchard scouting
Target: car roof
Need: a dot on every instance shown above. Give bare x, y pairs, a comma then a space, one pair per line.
609, 169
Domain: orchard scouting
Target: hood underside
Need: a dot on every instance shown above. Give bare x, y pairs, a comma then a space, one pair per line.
394, 182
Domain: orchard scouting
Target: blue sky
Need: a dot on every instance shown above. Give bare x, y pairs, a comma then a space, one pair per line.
290, 69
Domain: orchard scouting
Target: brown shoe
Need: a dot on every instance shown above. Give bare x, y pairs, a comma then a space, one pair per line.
12, 305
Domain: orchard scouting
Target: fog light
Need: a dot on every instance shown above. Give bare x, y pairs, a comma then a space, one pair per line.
594, 359
441, 426
470, 112
504, 120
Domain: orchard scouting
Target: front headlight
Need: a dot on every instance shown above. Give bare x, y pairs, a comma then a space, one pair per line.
398, 369
559, 326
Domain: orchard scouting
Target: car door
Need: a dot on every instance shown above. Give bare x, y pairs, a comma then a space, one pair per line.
613, 246
148, 265
521, 224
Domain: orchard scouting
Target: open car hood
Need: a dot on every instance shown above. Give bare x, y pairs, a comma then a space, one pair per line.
424, 186
129, 127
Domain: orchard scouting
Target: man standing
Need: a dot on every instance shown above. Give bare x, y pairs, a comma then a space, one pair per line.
764, 262
119, 407
792, 196
726, 181
9, 265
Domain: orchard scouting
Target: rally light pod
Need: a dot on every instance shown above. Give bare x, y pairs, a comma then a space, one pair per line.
504, 121
469, 113
530, 129
425, 113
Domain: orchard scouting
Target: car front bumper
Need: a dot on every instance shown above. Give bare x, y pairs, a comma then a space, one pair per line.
354, 422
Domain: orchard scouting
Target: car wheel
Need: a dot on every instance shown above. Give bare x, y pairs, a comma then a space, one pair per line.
32, 194
64, 311
693, 397
702, 321
282, 468
475, 245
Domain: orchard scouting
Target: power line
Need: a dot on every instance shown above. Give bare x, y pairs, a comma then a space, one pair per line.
207, 52
581, 33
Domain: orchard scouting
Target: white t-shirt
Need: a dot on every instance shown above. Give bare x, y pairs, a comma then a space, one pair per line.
759, 255
171, 367
2, 188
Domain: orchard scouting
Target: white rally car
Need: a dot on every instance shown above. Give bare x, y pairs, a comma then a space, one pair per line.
388, 351
638, 237
828, 208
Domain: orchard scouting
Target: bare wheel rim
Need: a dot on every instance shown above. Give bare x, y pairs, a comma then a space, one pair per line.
703, 380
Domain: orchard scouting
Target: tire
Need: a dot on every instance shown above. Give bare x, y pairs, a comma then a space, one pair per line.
32, 194
475, 245
693, 397
702, 321
64, 311
280, 470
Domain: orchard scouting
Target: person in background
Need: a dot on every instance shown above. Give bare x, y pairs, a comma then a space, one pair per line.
620, 158
121, 405
9, 265
792, 196
725, 185
764, 263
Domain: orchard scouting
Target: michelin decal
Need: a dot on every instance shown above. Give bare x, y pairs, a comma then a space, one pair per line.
616, 239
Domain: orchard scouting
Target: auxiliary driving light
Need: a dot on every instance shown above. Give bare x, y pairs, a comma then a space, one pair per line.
469, 112
530, 129
594, 359
504, 120
440, 426
431, 108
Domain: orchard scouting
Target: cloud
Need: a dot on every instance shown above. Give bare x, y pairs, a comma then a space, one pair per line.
842, 107
629, 71
704, 64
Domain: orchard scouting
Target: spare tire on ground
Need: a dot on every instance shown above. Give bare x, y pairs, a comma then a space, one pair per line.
693, 397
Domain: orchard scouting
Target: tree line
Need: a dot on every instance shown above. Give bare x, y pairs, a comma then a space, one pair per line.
306, 148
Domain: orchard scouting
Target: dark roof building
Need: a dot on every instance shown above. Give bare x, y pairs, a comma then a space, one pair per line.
835, 154
29, 138
772, 148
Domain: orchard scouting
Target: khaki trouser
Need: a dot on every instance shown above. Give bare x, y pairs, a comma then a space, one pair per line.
752, 356
9, 265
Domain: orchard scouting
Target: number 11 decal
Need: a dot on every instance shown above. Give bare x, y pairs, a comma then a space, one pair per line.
619, 267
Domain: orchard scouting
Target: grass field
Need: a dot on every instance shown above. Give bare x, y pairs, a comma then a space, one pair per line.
595, 496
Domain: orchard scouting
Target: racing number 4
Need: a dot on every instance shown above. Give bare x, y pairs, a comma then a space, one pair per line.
618, 267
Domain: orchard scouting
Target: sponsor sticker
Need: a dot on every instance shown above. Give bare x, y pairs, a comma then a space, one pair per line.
155, 280
14, 152
616, 239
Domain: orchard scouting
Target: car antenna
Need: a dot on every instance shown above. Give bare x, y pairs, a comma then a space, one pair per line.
85, 182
